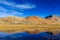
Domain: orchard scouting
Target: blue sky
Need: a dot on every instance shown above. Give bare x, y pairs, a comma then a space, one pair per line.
23, 8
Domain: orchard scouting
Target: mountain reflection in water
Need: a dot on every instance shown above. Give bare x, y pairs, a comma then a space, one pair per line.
27, 36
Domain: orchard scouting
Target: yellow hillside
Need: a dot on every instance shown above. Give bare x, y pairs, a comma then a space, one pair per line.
31, 24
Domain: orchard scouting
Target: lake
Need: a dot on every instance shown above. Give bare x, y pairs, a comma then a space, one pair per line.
27, 36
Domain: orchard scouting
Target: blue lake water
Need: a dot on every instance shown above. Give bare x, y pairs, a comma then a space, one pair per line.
27, 36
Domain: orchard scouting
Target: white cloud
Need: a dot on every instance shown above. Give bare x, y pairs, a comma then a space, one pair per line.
25, 6
20, 6
5, 2
2, 9
15, 12
4, 12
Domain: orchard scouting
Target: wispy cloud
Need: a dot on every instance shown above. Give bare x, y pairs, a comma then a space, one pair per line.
11, 6
4, 12
25, 6
21, 6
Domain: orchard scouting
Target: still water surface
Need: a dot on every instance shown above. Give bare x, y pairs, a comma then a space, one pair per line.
27, 36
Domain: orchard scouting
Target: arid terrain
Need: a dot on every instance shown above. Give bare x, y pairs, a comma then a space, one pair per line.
31, 24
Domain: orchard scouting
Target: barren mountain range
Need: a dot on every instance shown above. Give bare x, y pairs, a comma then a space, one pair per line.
51, 19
